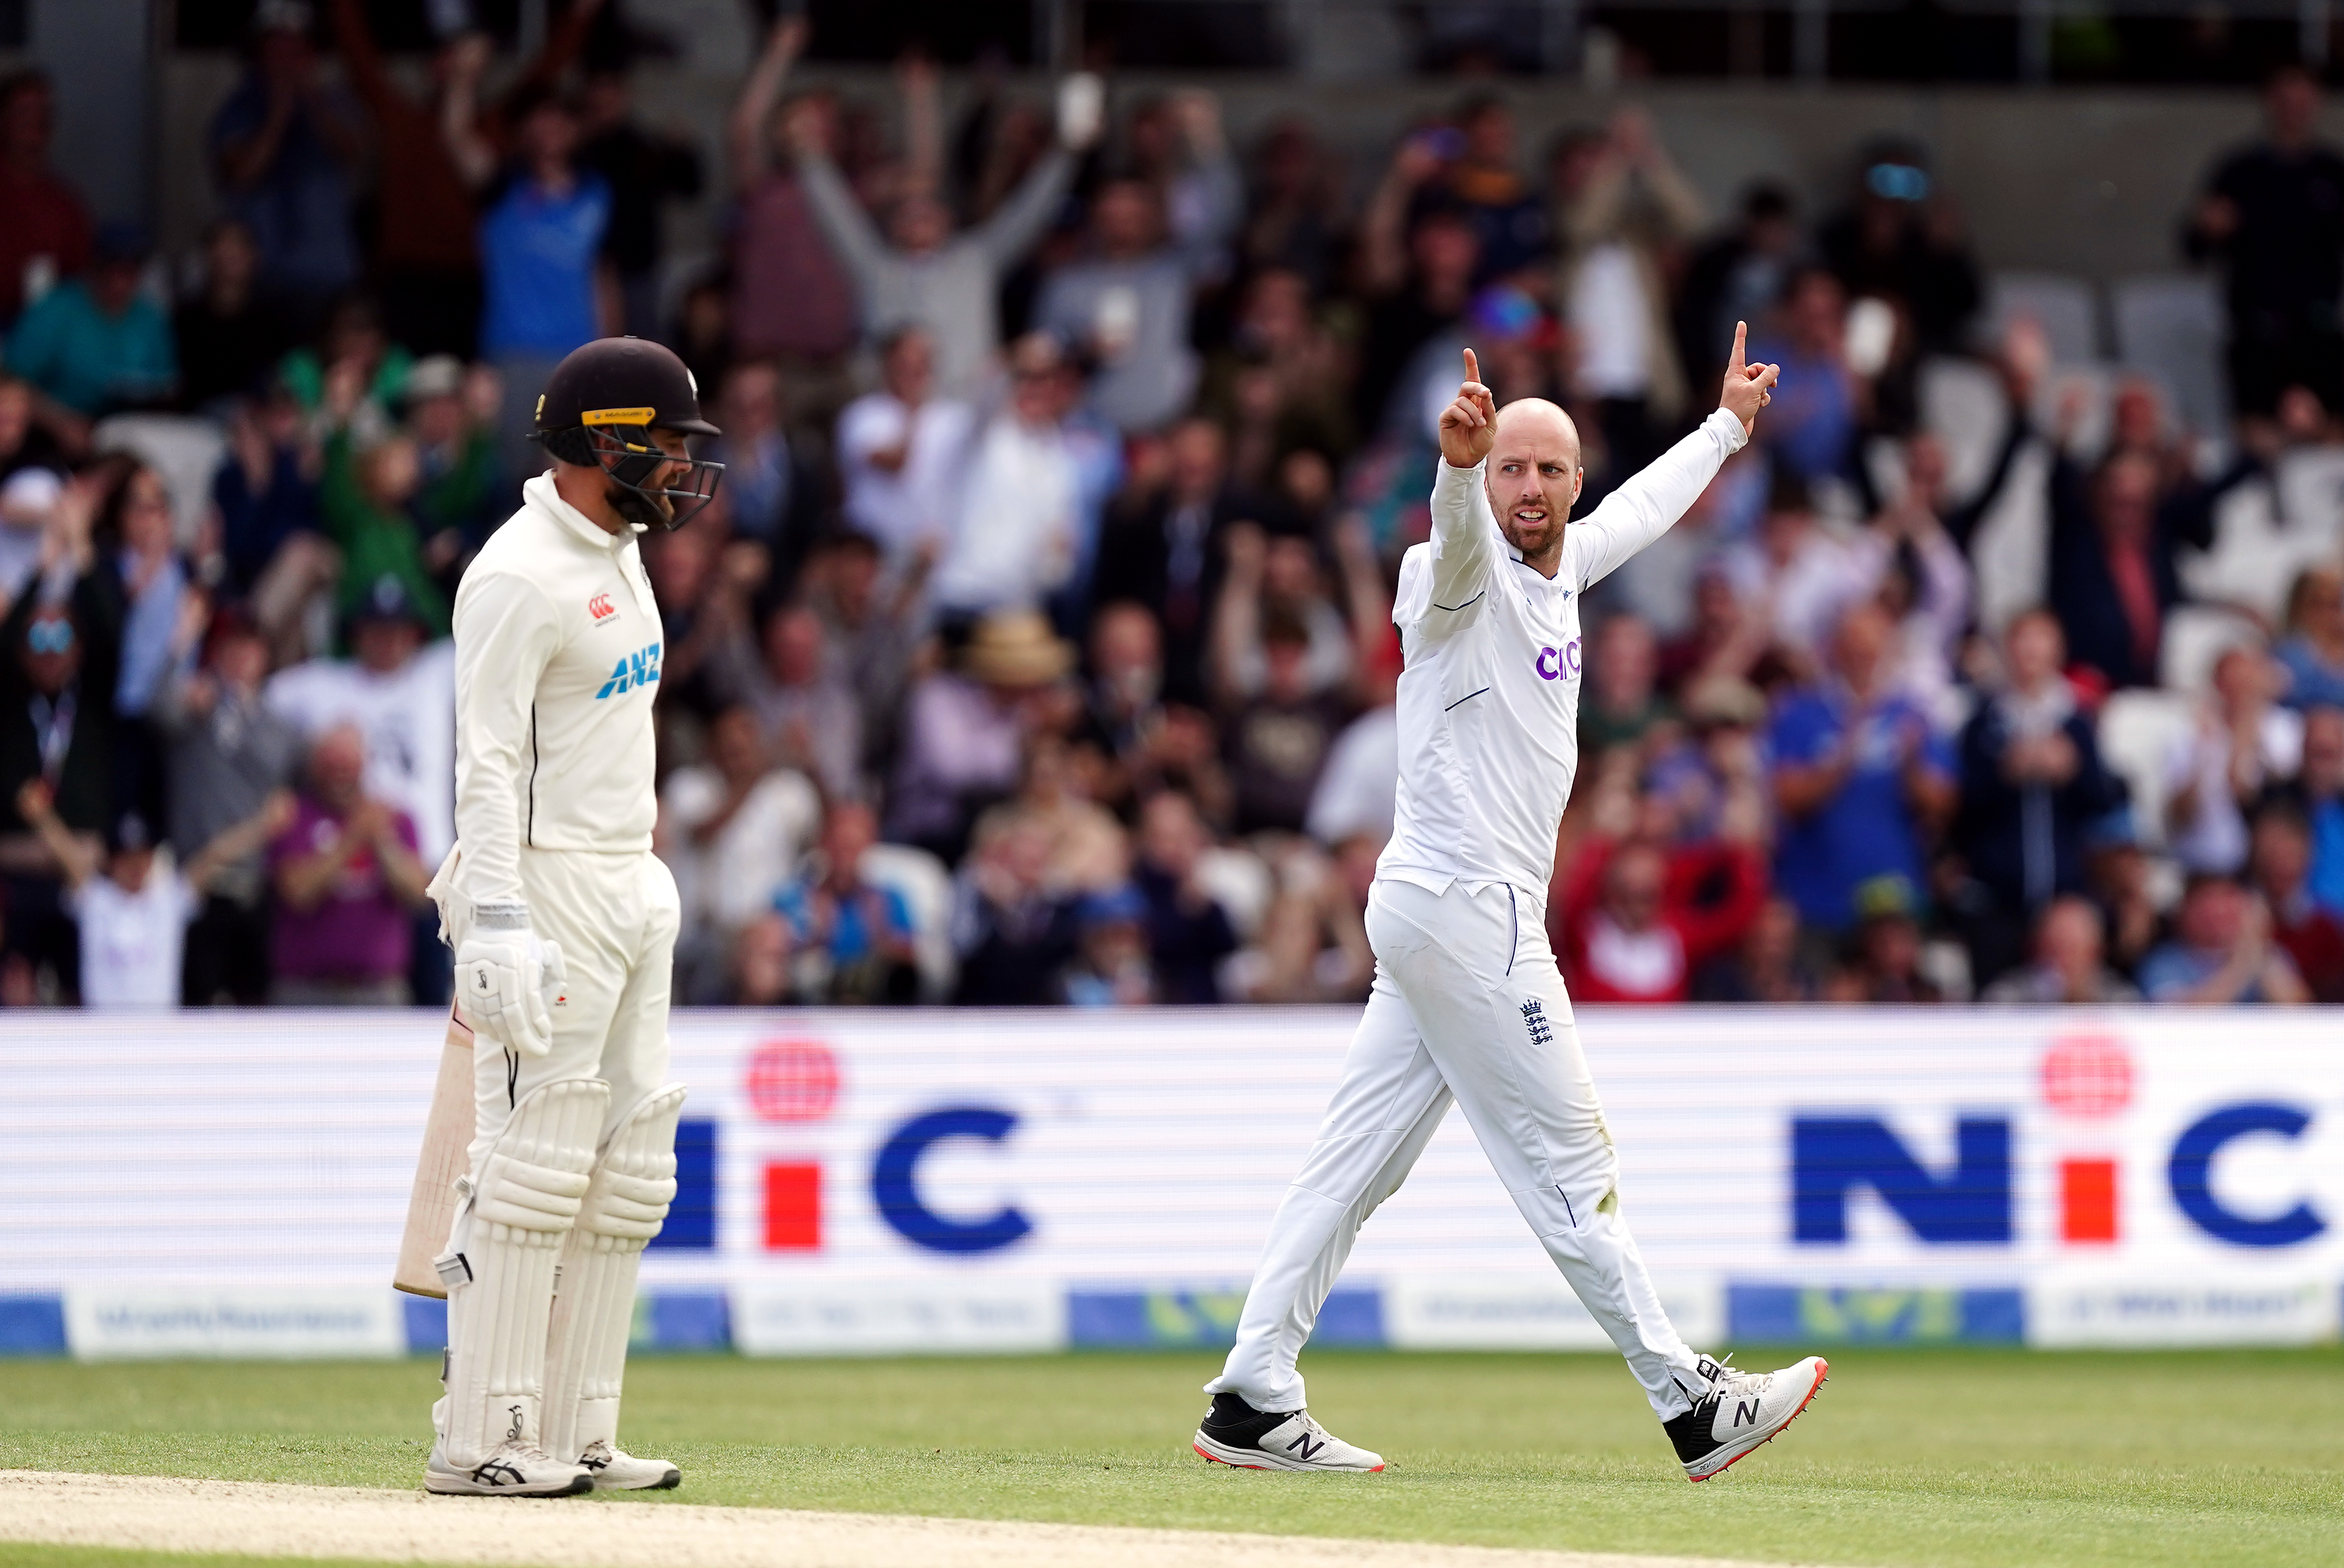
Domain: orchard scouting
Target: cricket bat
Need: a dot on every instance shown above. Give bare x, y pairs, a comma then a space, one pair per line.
447, 1136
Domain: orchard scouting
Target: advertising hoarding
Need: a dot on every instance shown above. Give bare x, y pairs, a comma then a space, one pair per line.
876, 1182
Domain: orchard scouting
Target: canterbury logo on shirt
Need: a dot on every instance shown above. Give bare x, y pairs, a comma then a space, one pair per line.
640, 668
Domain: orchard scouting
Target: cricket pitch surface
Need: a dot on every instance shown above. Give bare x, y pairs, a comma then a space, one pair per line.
264, 1519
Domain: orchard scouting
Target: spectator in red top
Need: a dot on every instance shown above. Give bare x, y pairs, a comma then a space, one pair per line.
348, 883
2280, 867
1638, 920
46, 217
792, 299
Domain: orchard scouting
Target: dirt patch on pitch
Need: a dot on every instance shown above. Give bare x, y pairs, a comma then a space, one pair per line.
164, 1514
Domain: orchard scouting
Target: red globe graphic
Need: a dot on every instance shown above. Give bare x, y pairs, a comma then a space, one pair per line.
2088, 1074
792, 1080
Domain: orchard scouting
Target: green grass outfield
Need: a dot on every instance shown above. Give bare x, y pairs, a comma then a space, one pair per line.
1908, 1457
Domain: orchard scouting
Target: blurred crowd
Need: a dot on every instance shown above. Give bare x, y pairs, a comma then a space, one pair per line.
1036, 649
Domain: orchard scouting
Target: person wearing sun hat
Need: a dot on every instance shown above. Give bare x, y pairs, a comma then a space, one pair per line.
964, 729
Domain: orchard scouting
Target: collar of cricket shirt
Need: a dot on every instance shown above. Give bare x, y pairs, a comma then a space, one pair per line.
541, 492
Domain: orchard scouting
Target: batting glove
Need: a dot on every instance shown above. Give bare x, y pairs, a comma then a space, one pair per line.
510, 980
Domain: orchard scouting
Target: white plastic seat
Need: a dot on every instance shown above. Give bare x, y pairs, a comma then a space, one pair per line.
2064, 307
2139, 732
2195, 636
2169, 325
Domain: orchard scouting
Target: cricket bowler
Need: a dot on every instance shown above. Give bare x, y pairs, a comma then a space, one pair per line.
1468, 1004
564, 923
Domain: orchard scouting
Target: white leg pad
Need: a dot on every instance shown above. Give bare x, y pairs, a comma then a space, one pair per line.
501, 1266
626, 1203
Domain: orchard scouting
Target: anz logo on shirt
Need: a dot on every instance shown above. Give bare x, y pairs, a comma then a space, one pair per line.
637, 669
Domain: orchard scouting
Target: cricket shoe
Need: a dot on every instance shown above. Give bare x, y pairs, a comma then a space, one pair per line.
616, 1470
1740, 1412
514, 1470
1236, 1434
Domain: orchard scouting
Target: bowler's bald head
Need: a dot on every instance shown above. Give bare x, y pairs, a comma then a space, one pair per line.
1532, 426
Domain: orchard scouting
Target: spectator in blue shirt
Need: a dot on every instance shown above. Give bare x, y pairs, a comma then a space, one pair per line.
1815, 417
1860, 778
2313, 650
2221, 953
97, 343
284, 146
2319, 787
546, 286
848, 938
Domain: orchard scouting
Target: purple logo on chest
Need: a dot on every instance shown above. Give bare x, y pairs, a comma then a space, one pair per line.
1554, 664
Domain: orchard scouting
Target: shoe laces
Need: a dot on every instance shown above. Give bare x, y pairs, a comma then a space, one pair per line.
1732, 1380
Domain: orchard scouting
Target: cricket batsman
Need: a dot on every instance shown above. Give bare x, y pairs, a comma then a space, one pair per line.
1468, 1004
564, 923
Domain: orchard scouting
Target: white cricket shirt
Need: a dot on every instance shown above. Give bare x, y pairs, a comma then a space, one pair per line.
1488, 697
556, 662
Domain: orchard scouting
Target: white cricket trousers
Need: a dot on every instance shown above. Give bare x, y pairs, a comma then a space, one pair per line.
615, 918
1467, 1004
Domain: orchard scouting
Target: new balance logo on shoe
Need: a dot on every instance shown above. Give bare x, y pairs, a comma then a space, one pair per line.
1745, 1413
1303, 1445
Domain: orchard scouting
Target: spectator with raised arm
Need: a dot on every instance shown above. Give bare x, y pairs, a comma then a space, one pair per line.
131, 904
792, 297
1126, 308
426, 264
1623, 208
546, 286
57, 723
920, 272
